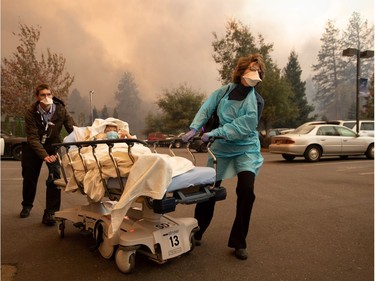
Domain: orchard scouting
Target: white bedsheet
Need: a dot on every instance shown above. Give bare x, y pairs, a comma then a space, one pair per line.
150, 174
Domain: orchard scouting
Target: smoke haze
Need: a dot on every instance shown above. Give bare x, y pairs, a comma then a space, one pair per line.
165, 43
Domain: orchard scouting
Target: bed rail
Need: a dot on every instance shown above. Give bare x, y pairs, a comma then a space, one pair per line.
112, 194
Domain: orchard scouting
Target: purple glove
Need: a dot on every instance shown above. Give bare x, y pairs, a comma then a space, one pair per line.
188, 135
205, 137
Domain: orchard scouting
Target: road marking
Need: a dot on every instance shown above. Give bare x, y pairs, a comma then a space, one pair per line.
335, 163
350, 168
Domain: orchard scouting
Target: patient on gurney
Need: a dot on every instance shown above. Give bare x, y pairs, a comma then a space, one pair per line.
149, 175
112, 131
164, 165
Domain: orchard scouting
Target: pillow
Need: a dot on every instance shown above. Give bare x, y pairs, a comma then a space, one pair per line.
81, 133
99, 125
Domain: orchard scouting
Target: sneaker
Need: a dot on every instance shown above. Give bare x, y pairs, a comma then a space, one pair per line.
241, 254
48, 219
25, 212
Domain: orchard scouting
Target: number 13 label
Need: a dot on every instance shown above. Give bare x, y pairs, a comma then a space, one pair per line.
174, 240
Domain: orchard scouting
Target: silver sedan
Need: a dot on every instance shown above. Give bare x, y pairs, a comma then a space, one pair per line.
313, 141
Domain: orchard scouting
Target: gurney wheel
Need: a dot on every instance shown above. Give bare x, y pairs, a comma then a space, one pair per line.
61, 228
192, 242
104, 245
125, 260
106, 249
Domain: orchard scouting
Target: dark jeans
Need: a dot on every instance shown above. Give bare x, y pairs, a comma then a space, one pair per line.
31, 166
245, 199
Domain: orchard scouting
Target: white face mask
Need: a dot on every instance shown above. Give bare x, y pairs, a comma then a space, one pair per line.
47, 101
252, 78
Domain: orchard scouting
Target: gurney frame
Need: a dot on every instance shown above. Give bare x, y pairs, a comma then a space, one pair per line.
146, 228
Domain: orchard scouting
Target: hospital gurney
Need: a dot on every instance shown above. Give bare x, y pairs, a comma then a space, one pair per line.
146, 228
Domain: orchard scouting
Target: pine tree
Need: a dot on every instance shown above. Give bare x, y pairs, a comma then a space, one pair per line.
95, 113
128, 102
79, 108
368, 108
115, 113
335, 78
292, 73
105, 113
358, 35
328, 73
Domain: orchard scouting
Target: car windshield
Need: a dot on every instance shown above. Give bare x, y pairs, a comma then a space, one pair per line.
346, 132
302, 130
349, 124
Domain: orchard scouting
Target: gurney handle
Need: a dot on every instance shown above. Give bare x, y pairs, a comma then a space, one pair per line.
211, 140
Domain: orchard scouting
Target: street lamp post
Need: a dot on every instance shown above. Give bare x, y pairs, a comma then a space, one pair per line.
91, 110
349, 52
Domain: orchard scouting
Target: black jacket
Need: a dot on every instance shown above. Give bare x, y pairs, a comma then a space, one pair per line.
35, 127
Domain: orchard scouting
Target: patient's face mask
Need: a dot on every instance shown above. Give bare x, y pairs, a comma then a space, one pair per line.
112, 135
252, 77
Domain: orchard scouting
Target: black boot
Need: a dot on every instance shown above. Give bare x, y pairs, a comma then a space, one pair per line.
25, 212
48, 219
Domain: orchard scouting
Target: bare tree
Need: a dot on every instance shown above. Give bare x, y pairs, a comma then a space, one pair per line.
23, 71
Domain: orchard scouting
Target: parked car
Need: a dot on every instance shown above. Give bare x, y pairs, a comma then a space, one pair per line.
265, 137
315, 140
158, 139
279, 131
365, 126
177, 141
12, 145
156, 136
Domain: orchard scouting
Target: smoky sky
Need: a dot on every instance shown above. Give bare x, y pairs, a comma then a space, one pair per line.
166, 43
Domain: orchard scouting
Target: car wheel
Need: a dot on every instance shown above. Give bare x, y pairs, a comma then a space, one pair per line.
313, 153
370, 151
17, 152
288, 157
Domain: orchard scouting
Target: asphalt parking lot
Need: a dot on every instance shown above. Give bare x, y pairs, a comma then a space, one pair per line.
311, 221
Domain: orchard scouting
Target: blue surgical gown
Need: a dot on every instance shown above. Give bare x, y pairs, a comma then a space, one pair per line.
240, 151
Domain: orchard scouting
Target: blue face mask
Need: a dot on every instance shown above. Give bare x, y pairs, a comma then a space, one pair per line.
112, 135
